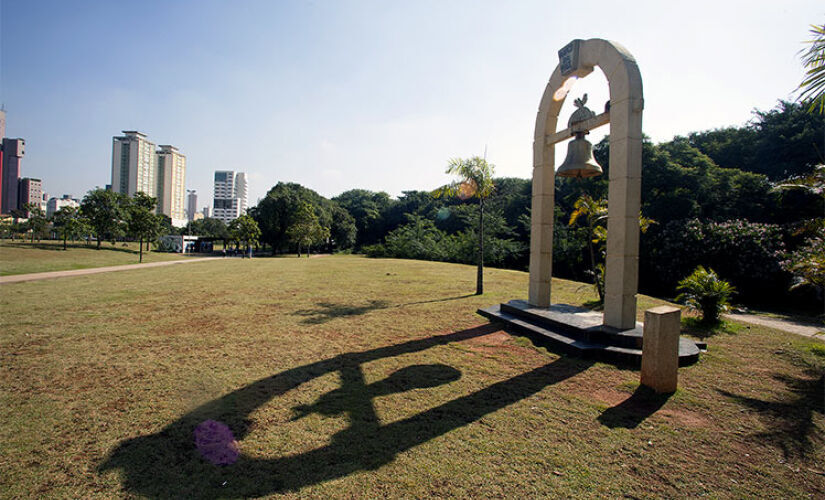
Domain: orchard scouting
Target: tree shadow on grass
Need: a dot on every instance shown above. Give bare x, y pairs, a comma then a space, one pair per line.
791, 420
695, 327
327, 311
433, 301
634, 410
167, 464
57, 245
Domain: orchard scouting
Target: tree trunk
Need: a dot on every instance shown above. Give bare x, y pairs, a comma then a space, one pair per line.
593, 266
141, 249
64, 240
480, 275
98, 242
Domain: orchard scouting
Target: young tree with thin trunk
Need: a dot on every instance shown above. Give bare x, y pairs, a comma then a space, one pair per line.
475, 180
142, 222
306, 230
68, 223
245, 229
104, 210
595, 213
36, 220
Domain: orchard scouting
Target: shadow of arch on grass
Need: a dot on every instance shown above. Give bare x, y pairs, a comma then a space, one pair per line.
166, 464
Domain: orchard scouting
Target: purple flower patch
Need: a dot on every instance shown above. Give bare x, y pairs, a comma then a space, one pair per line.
216, 443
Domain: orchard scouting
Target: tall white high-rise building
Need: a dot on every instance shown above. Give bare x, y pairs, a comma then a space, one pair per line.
171, 189
229, 199
134, 164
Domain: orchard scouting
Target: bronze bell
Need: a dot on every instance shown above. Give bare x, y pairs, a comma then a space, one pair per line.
579, 161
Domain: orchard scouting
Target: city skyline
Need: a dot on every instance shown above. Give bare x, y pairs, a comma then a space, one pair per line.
363, 94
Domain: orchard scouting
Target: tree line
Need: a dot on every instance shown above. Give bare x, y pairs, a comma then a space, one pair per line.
711, 198
746, 201
110, 216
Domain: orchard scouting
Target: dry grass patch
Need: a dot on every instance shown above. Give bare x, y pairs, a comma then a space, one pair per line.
350, 377
22, 257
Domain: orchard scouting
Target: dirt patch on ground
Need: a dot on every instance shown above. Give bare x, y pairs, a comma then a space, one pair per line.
609, 396
683, 418
491, 339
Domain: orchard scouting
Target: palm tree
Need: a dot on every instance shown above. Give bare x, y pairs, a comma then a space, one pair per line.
475, 180
704, 291
595, 213
813, 86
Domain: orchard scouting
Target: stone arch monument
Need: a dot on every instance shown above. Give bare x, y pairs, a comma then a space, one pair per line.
579, 58
615, 334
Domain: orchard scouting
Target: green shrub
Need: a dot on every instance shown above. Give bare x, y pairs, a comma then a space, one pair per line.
747, 254
705, 292
807, 264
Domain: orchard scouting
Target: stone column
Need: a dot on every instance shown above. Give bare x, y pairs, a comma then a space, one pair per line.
541, 228
543, 196
624, 195
660, 348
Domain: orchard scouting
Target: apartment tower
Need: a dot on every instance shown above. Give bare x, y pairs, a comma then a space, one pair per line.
229, 200
29, 191
134, 164
2, 134
171, 182
13, 150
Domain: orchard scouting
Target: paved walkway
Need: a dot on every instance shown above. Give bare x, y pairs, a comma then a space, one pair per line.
786, 325
18, 278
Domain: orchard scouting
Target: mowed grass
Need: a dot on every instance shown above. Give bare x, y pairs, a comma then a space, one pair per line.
350, 377
22, 257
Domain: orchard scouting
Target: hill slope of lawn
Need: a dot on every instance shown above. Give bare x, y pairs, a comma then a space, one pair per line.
352, 377
22, 257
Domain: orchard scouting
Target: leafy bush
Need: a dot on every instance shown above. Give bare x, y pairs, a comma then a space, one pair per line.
807, 264
746, 253
421, 239
705, 292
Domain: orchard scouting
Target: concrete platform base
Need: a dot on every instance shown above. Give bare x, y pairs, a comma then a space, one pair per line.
579, 331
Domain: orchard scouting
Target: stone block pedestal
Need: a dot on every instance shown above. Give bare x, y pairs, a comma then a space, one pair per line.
660, 348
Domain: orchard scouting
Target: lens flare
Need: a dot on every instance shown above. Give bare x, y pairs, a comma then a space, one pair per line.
562, 91
216, 443
443, 213
467, 189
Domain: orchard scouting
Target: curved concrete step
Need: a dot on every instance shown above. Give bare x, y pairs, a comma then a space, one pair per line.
574, 331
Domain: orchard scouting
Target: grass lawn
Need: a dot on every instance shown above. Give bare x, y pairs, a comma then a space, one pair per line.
19, 257
352, 377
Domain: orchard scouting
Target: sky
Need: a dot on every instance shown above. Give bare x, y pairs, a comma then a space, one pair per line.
378, 95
